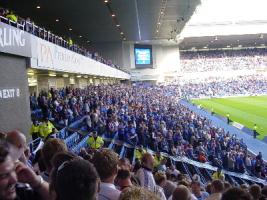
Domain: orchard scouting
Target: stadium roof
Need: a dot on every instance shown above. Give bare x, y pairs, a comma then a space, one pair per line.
93, 20
232, 23
224, 42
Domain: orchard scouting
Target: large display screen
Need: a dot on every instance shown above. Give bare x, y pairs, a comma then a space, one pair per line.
143, 56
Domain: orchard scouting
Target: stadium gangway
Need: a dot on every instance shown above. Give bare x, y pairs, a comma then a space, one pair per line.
127, 151
35, 145
187, 170
231, 180
122, 152
239, 180
80, 145
206, 174
200, 174
118, 146
110, 141
72, 140
180, 167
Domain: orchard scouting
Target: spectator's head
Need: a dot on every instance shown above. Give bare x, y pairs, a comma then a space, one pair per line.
106, 163
148, 161
50, 148
160, 178
196, 187
255, 191
138, 193
236, 194
8, 177
57, 160
94, 134
123, 179
217, 186
181, 193
76, 179
124, 163
17, 140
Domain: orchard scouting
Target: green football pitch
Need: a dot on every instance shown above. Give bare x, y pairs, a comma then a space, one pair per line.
244, 110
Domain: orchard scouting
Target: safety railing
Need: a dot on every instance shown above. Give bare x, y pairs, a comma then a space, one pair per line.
47, 35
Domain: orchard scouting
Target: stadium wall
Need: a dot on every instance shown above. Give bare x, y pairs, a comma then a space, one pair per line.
14, 94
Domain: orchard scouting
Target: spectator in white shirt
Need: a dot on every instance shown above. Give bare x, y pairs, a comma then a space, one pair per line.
144, 174
106, 164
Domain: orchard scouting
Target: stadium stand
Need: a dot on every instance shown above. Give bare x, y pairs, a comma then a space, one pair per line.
9, 17
135, 141
222, 87
248, 59
190, 143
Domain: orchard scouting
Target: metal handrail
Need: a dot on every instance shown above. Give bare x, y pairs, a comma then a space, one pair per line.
31, 28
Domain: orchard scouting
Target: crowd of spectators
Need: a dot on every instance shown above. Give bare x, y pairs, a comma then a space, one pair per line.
28, 25
218, 87
151, 117
219, 60
57, 174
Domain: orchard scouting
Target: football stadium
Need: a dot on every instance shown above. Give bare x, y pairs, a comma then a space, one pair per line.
133, 100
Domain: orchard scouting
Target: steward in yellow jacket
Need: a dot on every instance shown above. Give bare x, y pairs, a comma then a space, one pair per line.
46, 129
35, 130
95, 142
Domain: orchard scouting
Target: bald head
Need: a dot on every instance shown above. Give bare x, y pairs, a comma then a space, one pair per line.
17, 139
181, 193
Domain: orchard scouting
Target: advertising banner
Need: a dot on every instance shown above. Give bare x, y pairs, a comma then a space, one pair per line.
14, 41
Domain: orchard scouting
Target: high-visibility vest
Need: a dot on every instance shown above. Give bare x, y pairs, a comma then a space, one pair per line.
34, 129
70, 42
139, 153
217, 176
46, 129
12, 17
95, 143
